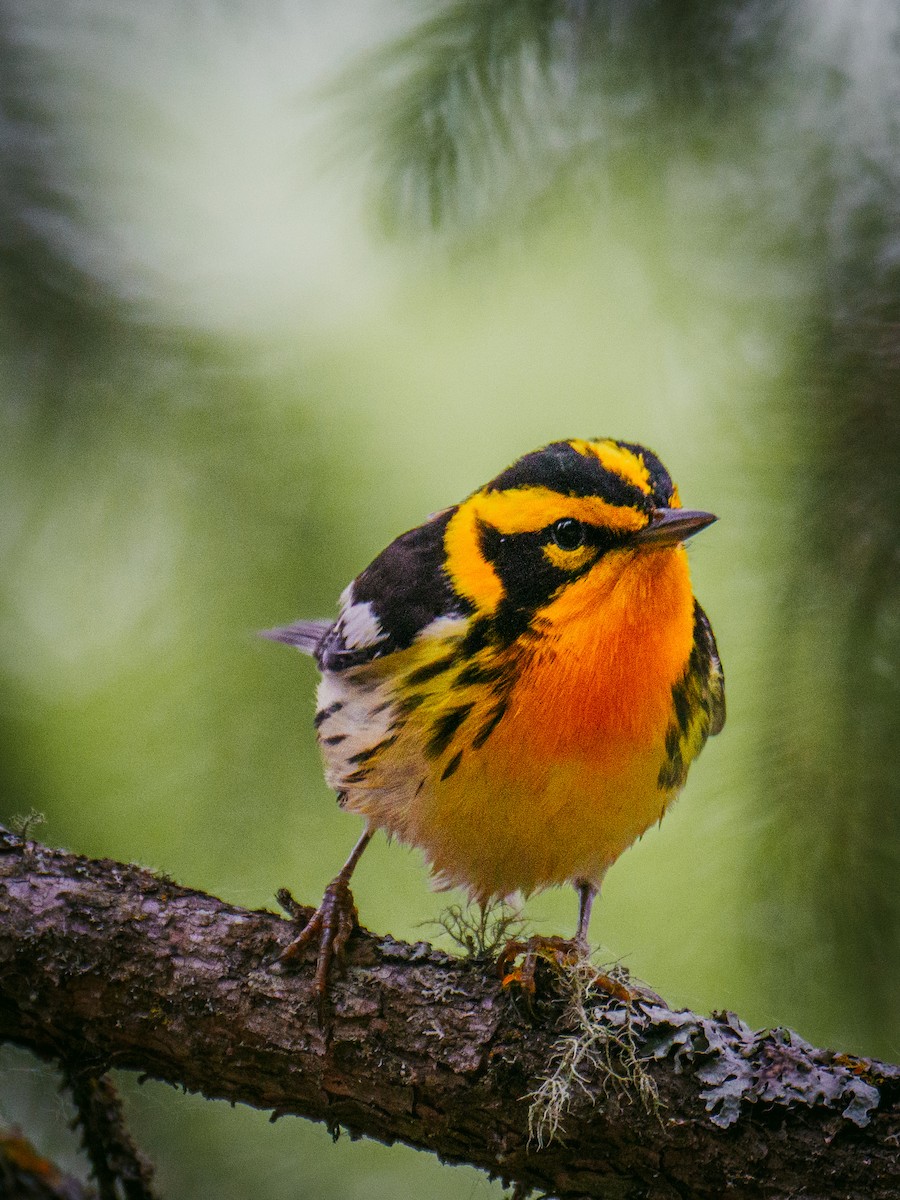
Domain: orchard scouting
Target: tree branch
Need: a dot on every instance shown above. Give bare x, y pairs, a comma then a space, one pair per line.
116, 1163
26, 1175
106, 965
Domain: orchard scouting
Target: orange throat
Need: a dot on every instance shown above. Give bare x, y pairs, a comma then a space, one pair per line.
613, 646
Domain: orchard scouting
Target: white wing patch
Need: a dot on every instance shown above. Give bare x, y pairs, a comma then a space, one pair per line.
358, 625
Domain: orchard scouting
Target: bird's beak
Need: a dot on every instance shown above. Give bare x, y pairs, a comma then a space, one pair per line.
668, 526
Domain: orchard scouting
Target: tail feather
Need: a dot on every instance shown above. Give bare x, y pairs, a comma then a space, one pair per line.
305, 635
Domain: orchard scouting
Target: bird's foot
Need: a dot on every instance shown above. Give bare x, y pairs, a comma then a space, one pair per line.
518, 963
328, 929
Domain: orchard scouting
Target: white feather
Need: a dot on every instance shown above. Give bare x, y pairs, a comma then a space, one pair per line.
359, 626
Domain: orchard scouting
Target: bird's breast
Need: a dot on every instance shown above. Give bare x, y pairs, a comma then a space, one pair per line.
599, 678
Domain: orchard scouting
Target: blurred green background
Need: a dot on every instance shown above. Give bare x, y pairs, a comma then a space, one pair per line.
277, 281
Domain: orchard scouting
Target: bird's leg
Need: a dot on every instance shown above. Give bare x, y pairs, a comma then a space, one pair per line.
587, 893
331, 924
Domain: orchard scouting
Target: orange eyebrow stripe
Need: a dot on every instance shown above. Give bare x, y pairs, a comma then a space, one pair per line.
528, 509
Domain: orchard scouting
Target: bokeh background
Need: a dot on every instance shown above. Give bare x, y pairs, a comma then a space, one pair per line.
279, 279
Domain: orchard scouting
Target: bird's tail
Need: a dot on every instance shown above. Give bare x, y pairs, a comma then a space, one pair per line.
305, 635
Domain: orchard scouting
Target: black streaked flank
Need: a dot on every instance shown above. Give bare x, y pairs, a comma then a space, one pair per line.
672, 774
682, 702
324, 713
673, 741
477, 672
699, 694
444, 728
487, 729
452, 765
705, 662
704, 675
430, 670
365, 756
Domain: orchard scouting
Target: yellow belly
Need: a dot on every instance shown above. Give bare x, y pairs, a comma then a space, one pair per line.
498, 831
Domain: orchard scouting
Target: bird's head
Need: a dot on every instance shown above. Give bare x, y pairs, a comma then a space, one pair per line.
571, 510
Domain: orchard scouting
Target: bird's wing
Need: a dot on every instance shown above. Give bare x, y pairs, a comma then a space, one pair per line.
400, 593
711, 668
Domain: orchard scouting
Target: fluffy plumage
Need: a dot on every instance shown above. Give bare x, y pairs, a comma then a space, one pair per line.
519, 685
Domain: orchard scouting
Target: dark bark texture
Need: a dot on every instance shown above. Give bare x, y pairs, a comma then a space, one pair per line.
107, 965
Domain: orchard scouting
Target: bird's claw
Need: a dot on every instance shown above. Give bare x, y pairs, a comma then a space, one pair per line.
557, 951
518, 961
329, 927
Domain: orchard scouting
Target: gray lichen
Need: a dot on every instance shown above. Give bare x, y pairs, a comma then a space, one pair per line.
607, 1042
738, 1065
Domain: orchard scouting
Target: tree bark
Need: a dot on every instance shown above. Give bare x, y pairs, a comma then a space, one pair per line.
107, 965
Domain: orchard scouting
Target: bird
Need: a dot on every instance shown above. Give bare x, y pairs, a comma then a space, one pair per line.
518, 685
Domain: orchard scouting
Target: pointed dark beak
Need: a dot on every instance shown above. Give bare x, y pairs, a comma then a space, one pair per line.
669, 526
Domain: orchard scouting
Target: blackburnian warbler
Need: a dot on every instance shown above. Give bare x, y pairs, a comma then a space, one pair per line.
519, 685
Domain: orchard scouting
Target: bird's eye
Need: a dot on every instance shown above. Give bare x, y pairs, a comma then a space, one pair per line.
567, 533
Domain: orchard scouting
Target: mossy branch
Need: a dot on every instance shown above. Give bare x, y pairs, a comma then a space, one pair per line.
106, 965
